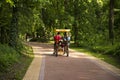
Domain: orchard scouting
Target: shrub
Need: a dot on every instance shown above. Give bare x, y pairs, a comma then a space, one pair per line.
114, 50
14, 62
8, 56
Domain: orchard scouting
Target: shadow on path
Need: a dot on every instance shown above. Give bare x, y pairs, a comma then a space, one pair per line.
77, 66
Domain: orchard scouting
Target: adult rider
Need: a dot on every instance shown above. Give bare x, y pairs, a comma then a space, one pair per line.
57, 39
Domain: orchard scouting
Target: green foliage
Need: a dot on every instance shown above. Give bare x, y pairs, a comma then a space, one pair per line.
8, 56
11, 62
87, 19
5, 16
99, 52
114, 50
21, 67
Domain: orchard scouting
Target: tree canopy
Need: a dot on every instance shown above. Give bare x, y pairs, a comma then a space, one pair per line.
92, 22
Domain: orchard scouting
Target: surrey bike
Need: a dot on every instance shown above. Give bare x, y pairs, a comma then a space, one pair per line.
62, 47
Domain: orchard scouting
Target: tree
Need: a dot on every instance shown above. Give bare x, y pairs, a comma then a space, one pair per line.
111, 21
5, 16
13, 31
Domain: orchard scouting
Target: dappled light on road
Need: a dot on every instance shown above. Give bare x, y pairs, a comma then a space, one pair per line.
78, 66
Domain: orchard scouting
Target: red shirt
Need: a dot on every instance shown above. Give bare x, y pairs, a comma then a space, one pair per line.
57, 38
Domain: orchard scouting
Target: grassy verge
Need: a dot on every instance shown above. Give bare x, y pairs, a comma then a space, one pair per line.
113, 60
13, 64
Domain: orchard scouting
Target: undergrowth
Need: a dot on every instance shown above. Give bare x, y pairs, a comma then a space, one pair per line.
14, 63
109, 54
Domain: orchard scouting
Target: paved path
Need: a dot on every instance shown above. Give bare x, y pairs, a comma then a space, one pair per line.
77, 66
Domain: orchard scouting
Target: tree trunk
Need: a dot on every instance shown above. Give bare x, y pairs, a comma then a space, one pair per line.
13, 34
76, 22
111, 21
75, 29
3, 37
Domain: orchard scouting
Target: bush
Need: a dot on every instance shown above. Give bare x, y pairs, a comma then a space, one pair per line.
8, 56
14, 63
114, 50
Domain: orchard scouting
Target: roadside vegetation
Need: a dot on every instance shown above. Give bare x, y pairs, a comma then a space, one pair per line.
109, 54
94, 24
13, 64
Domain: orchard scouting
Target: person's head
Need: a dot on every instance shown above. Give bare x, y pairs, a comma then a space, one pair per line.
65, 34
58, 33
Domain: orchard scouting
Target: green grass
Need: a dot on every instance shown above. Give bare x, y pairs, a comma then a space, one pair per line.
13, 64
24, 62
113, 60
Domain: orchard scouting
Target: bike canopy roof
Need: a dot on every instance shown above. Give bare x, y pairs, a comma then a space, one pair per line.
62, 30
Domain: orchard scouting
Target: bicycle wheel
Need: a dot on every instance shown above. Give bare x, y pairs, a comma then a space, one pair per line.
56, 50
66, 50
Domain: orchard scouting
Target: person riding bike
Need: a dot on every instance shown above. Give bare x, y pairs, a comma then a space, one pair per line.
66, 42
66, 39
57, 39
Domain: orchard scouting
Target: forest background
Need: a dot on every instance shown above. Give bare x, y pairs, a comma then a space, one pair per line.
94, 24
